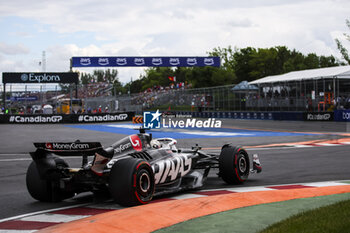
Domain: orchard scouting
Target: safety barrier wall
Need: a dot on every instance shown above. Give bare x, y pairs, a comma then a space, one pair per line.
338, 115
67, 118
289, 116
342, 115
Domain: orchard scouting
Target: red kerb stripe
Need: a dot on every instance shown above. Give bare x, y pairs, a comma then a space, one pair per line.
162, 200
25, 225
312, 144
214, 192
289, 187
81, 211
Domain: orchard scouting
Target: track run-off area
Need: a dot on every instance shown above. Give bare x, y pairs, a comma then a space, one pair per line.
294, 155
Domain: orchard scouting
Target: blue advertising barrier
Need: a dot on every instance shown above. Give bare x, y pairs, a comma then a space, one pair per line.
338, 115
248, 115
145, 61
342, 115
288, 116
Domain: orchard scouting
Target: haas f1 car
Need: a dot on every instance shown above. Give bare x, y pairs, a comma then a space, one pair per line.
133, 170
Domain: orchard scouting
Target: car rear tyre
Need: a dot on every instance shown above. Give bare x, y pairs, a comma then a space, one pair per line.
42, 189
234, 165
131, 182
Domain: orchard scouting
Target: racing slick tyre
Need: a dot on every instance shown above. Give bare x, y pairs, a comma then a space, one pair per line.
234, 164
131, 182
42, 189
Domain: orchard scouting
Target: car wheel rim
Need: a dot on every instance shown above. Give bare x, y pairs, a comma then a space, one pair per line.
144, 182
242, 164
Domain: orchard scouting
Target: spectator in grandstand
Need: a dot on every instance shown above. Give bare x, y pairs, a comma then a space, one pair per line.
347, 103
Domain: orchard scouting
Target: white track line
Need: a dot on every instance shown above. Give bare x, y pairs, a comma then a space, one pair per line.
41, 212
17, 231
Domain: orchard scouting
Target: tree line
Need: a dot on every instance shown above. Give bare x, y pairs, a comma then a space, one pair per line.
237, 64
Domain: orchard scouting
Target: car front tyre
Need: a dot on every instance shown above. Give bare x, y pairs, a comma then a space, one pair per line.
234, 165
131, 182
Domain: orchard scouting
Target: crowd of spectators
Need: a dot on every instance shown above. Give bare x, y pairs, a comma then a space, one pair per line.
157, 95
343, 102
95, 90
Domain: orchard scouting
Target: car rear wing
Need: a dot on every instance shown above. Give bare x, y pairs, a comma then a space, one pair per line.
70, 148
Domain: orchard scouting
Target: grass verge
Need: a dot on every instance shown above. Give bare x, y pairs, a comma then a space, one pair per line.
328, 219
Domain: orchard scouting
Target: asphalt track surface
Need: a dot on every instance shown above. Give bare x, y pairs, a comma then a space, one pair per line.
280, 166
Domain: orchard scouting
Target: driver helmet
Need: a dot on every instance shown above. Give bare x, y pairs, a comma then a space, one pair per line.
155, 144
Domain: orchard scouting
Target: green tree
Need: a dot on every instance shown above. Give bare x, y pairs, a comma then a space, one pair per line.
85, 78
341, 48
226, 55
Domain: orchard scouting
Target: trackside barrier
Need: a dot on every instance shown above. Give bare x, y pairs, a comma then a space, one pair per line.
292, 116
66, 118
342, 115
337, 115
318, 116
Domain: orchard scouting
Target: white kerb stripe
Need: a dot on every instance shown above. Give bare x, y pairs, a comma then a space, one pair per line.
324, 184
17, 231
302, 146
54, 218
327, 144
248, 189
41, 212
187, 196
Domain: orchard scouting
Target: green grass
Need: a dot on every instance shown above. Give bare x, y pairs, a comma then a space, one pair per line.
328, 219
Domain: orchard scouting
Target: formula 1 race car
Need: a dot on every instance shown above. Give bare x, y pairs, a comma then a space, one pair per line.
132, 170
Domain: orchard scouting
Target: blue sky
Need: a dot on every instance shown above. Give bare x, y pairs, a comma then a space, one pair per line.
161, 28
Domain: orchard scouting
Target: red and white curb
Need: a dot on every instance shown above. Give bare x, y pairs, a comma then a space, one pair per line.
39, 220
320, 144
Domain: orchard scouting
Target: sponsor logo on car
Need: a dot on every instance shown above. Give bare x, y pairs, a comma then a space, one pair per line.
122, 147
136, 142
67, 146
48, 146
85, 61
170, 170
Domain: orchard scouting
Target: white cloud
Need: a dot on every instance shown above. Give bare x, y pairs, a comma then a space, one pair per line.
13, 49
182, 27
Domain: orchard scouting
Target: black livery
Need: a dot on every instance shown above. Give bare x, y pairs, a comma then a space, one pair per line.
132, 170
